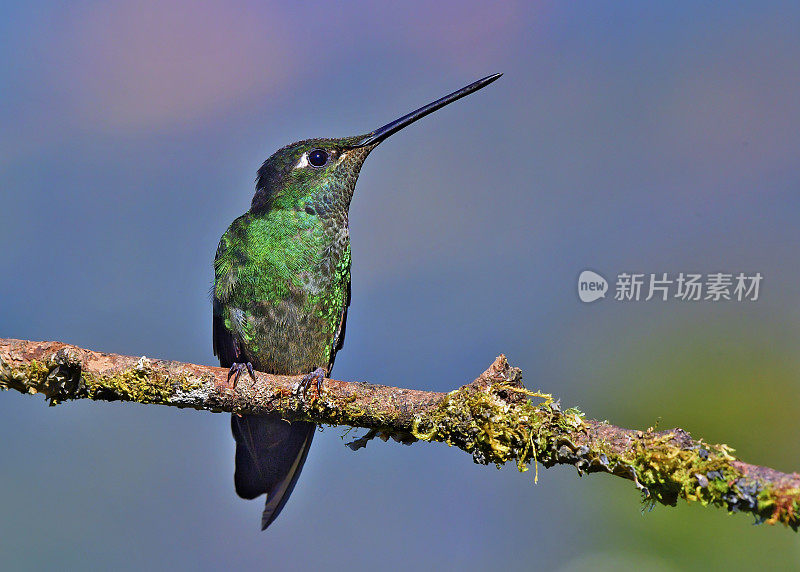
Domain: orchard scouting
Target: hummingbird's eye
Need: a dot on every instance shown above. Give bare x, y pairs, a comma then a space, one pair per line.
317, 158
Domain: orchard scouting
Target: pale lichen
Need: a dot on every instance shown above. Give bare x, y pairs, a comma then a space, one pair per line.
61, 378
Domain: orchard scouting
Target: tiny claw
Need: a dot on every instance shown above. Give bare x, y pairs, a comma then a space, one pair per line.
237, 369
301, 387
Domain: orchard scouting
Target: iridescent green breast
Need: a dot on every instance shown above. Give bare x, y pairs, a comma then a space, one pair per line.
281, 287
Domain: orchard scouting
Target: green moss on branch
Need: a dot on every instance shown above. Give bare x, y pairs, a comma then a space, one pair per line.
494, 418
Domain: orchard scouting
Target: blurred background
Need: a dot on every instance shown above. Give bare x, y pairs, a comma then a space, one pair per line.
630, 137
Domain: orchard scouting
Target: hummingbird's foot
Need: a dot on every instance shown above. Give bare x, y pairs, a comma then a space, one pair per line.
301, 387
236, 370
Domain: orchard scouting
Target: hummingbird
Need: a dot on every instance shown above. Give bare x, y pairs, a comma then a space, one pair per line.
282, 289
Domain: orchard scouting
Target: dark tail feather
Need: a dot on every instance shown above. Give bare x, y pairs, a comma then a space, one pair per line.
279, 494
270, 454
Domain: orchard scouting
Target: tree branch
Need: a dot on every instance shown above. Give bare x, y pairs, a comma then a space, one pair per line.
494, 418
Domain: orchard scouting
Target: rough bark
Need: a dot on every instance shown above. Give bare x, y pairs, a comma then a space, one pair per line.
494, 418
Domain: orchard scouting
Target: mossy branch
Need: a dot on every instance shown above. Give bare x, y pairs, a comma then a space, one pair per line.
494, 418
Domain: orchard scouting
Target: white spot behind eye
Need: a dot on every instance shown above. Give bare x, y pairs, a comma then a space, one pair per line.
303, 162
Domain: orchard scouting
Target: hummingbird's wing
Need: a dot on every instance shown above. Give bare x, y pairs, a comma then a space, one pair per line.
339, 340
226, 348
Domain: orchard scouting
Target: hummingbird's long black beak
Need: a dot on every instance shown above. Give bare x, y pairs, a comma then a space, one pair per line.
382, 133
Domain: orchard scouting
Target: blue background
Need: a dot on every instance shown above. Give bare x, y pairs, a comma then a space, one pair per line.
627, 137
